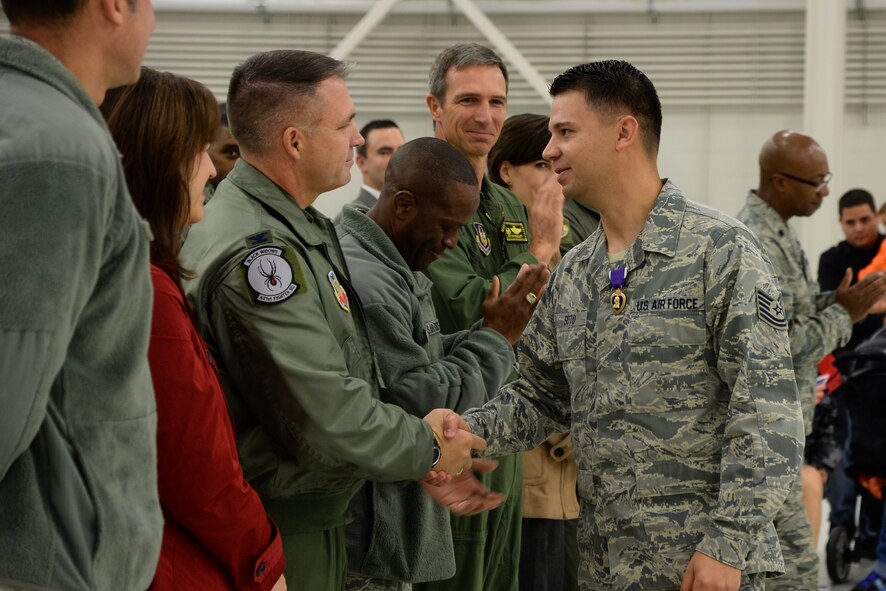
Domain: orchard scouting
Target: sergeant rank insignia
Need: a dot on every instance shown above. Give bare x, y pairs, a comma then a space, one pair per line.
340, 294
514, 232
771, 310
482, 239
269, 275
617, 299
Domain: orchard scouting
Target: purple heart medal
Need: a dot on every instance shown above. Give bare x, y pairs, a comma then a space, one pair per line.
618, 299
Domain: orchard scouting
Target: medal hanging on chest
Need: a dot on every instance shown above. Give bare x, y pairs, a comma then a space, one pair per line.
617, 299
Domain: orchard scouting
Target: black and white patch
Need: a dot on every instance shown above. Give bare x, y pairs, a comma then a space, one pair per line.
269, 275
771, 310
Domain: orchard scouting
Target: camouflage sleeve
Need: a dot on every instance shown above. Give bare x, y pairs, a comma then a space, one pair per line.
813, 333
763, 435
537, 404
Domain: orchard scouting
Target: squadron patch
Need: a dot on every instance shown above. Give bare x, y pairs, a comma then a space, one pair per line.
482, 239
565, 231
269, 275
340, 294
771, 310
514, 232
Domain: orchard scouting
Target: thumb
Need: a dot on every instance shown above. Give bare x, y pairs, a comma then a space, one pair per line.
494, 289
847, 279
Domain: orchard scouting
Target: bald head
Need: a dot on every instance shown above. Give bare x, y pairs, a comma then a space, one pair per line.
430, 191
793, 174
426, 167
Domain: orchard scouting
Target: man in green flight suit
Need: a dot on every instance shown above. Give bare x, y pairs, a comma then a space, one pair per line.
660, 345
468, 86
793, 182
275, 305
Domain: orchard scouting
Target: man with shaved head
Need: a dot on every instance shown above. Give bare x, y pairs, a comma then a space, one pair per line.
430, 191
794, 179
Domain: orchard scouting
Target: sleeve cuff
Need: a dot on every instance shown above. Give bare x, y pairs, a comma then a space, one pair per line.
725, 548
268, 568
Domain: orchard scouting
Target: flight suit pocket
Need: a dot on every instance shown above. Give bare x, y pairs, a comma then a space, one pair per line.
666, 361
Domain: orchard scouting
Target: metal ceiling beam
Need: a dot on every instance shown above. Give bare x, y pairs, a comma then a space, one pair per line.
507, 49
365, 26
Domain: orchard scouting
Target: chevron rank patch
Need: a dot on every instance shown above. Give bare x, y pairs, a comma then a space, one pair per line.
771, 310
482, 239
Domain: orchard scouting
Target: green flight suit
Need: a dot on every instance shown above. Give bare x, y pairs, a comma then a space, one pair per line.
817, 325
684, 413
579, 222
494, 242
275, 306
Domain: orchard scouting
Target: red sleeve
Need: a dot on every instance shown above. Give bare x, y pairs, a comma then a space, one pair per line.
200, 479
878, 263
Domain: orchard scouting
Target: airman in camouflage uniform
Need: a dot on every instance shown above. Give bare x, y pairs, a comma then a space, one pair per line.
682, 405
793, 181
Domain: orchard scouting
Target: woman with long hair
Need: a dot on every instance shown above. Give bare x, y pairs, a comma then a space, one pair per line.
216, 533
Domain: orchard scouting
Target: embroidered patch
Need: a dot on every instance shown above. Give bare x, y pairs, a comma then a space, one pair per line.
432, 328
269, 275
263, 237
565, 231
570, 320
514, 232
482, 239
340, 294
771, 310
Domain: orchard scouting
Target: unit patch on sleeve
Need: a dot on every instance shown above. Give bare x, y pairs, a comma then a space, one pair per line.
270, 275
482, 239
514, 232
771, 310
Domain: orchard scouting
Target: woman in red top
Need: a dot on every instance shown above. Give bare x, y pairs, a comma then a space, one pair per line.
216, 533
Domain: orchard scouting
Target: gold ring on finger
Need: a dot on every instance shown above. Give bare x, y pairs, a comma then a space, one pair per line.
531, 298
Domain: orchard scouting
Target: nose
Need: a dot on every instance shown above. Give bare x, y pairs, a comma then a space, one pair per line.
450, 241
212, 170
825, 191
551, 151
358, 140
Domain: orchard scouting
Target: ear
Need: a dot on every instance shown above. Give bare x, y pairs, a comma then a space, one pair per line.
361, 163
293, 142
404, 206
434, 107
504, 171
628, 132
115, 11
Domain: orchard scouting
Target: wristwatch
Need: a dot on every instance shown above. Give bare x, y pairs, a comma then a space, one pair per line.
437, 453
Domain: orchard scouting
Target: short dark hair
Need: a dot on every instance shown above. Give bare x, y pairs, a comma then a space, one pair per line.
268, 86
223, 114
425, 163
371, 126
44, 10
461, 56
523, 139
855, 197
616, 84
160, 124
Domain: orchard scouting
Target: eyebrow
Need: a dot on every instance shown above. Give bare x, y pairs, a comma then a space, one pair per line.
465, 95
561, 124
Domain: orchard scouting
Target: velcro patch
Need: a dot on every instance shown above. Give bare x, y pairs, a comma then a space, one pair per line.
270, 275
771, 310
514, 232
432, 328
570, 320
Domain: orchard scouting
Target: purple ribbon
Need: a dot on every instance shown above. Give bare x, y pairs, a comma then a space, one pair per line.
617, 278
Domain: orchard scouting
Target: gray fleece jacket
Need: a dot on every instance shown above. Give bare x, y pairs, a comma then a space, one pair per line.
422, 369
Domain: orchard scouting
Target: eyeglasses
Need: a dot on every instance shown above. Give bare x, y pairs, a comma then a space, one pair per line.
819, 185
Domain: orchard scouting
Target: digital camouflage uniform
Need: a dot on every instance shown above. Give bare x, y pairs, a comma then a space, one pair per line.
579, 222
683, 409
275, 307
494, 242
422, 369
817, 325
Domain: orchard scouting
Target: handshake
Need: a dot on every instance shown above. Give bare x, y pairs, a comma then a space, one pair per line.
450, 483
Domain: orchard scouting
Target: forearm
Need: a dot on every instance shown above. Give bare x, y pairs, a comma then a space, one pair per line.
813, 337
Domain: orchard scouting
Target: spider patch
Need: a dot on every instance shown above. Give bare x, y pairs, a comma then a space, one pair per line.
269, 275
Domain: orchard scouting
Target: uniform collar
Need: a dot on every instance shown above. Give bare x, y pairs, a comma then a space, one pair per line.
769, 220
660, 234
372, 238
309, 224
